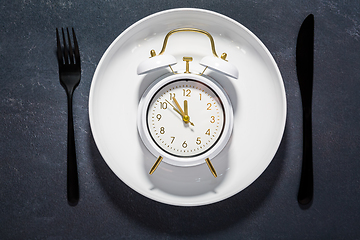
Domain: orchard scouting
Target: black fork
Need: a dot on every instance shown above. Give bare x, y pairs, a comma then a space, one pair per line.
70, 74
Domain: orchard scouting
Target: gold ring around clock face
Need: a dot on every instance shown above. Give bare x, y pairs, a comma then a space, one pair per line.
185, 118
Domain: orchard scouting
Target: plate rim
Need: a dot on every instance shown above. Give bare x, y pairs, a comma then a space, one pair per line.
253, 36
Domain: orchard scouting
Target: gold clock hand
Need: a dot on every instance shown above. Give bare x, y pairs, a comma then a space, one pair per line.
174, 107
186, 118
186, 108
178, 106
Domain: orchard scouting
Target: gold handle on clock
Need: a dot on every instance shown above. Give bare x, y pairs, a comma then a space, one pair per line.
189, 30
162, 60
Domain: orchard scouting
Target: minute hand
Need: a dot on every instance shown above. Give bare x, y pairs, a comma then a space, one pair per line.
178, 106
173, 107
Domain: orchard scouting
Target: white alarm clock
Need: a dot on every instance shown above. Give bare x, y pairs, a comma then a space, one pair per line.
185, 119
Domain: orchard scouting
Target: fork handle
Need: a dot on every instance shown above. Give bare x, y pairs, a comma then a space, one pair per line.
72, 174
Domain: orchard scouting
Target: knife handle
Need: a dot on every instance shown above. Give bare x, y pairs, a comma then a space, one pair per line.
306, 188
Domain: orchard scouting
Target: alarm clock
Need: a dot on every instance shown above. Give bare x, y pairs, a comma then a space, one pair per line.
185, 119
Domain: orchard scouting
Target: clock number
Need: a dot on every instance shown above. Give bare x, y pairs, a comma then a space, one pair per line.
186, 92
200, 96
198, 141
158, 117
172, 95
173, 138
209, 106
162, 130
208, 132
184, 145
212, 119
163, 105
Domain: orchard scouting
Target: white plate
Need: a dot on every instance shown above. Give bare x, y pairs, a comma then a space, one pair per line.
258, 98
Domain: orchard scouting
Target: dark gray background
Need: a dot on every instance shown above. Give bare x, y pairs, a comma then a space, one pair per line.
33, 126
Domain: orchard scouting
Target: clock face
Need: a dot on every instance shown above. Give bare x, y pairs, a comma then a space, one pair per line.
185, 118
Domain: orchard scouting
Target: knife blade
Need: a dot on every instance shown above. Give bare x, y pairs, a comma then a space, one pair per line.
305, 70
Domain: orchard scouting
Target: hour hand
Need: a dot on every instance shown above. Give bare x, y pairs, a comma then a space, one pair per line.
186, 108
185, 118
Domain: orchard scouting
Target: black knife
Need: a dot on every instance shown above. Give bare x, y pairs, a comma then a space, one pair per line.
305, 69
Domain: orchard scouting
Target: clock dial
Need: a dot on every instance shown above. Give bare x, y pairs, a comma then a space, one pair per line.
185, 118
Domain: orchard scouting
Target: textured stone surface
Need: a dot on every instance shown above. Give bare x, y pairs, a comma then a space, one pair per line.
34, 116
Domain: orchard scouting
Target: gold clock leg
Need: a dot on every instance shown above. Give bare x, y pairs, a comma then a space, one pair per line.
211, 167
156, 164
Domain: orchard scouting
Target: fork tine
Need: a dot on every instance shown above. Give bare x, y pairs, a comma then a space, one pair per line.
59, 51
66, 54
71, 54
76, 48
